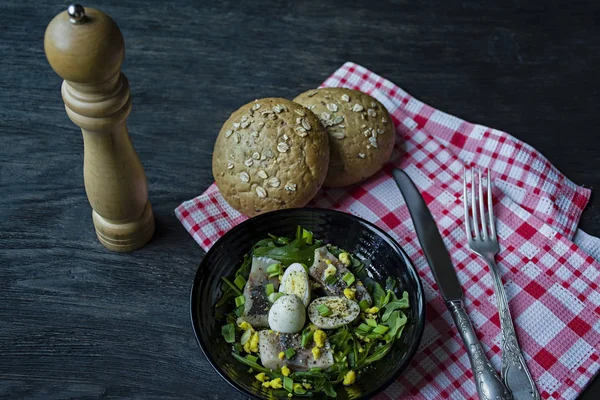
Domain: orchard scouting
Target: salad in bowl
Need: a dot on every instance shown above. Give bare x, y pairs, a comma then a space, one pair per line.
305, 317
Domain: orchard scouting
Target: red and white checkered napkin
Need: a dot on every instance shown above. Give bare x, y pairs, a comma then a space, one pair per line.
551, 283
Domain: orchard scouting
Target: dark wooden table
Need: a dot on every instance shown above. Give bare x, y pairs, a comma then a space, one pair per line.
79, 321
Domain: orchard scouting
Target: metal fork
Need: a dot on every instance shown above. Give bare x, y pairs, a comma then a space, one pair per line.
485, 244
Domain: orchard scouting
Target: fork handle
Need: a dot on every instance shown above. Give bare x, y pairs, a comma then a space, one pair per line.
516, 375
488, 383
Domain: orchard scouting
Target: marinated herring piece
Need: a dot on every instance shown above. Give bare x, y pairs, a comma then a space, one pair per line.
327, 265
272, 343
256, 308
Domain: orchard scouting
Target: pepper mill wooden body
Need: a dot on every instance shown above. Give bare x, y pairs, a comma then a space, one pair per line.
86, 48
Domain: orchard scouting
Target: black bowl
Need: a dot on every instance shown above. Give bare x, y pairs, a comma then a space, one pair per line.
344, 230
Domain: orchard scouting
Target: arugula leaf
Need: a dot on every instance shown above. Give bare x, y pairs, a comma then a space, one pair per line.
358, 267
307, 374
378, 354
266, 242
386, 299
336, 251
232, 286
390, 283
401, 304
396, 321
295, 251
328, 390
244, 269
377, 293
400, 331
255, 366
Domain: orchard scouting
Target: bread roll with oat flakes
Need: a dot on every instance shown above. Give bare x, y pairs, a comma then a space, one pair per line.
270, 154
361, 132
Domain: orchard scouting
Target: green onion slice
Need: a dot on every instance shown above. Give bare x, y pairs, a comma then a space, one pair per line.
349, 278
289, 353
240, 301
323, 310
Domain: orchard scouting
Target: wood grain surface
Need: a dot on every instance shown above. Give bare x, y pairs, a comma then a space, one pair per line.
78, 321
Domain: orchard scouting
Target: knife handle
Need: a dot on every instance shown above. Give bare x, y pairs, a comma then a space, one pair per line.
488, 383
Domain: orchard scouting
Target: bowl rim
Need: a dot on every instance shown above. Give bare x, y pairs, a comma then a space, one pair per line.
420, 309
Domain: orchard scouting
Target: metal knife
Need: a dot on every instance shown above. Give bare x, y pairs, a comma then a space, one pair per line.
488, 383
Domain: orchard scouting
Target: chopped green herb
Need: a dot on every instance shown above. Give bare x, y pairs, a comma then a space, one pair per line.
349, 278
240, 301
307, 338
307, 236
298, 389
331, 279
373, 336
288, 383
274, 296
239, 311
289, 353
274, 270
228, 332
371, 322
323, 310
251, 358
364, 328
269, 288
240, 282
363, 304
306, 268
315, 369
381, 329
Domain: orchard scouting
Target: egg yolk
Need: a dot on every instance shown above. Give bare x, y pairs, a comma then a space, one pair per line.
316, 352
350, 293
345, 259
274, 384
349, 378
329, 271
319, 338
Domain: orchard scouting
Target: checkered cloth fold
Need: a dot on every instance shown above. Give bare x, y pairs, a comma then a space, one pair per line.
551, 282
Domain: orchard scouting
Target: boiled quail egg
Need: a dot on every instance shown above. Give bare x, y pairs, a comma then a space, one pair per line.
295, 281
287, 314
331, 312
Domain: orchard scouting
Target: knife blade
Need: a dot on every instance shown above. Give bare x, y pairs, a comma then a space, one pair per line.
430, 239
488, 383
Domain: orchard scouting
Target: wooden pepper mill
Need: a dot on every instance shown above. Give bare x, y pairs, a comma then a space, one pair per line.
85, 47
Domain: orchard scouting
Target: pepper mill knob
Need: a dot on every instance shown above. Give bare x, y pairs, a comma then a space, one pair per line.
76, 13
86, 48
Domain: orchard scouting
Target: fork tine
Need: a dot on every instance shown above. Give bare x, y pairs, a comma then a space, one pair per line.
490, 206
466, 205
474, 205
481, 207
